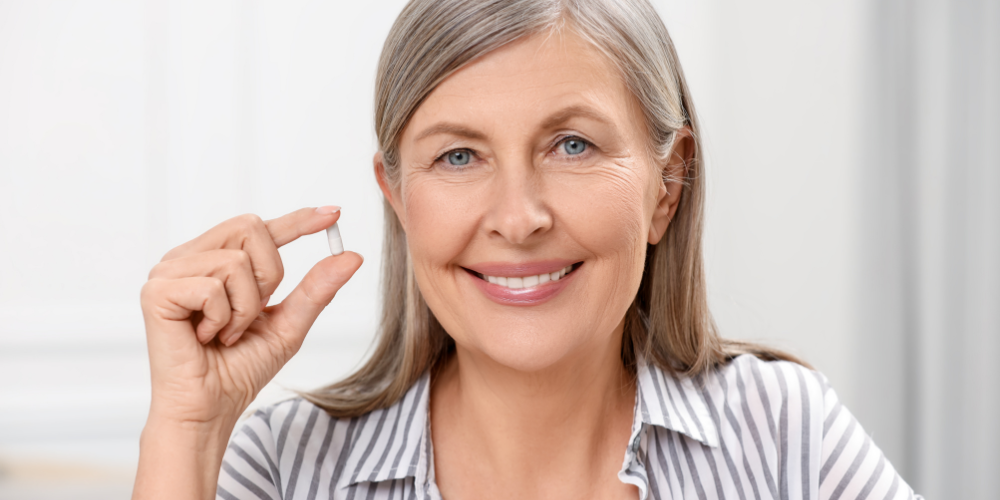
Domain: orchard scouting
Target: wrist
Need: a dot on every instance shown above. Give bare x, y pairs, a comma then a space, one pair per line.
180, 459
205, 441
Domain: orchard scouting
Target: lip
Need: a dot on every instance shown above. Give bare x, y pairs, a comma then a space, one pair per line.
536, 295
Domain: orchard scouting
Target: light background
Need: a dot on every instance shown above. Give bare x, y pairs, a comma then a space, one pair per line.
127, 128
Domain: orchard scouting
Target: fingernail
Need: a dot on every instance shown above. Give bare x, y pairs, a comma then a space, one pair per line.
327, 210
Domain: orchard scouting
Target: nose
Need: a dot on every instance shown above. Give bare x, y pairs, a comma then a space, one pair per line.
518, 212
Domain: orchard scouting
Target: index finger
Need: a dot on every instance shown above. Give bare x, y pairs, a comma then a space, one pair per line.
290, 227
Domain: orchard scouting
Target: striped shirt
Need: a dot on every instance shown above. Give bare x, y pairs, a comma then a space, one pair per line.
750, 429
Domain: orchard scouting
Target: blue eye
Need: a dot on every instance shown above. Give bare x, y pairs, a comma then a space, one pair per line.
459, 158
574, 146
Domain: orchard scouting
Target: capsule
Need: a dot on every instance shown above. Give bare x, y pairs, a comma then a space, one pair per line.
333, 235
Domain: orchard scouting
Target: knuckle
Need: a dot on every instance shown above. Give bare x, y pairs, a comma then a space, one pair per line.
242, 259
249, 222
216, 286
237, 259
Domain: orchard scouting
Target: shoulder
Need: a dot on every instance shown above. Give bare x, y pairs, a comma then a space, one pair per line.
770, 404
272, 447
296, 448
750, 380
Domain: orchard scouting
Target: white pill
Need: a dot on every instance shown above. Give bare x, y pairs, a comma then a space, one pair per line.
333, 235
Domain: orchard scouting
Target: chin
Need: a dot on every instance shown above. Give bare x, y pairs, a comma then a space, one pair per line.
527, 349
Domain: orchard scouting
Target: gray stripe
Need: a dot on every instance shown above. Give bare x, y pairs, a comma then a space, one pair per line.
352, 489
372, 489
409, 422
730, 464
413, 491
371, 444
677, 411
709, 455
755, 434
762, 390
293, 476
240, 452
837, 450
345, 450
892, 489
283, 433
250, 433
388, 444
872, 481
831, 418
806, 424
320, 458
783, 432
221, 492
851, 471
245, 482
694, 416
731, 418
691, 467
676, 462
392, 488
653, 485
644, 409
661, 399
664, 468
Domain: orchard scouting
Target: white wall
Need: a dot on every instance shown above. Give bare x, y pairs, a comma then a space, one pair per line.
127, 128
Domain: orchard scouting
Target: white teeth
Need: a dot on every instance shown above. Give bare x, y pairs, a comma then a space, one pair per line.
528, 281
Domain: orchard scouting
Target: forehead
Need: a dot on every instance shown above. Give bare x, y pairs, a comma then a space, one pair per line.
528, 80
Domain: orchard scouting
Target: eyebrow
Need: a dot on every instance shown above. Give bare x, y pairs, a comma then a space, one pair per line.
451, 129
566, 114
558, 118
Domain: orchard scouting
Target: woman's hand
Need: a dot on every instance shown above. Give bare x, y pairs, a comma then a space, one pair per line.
213, 344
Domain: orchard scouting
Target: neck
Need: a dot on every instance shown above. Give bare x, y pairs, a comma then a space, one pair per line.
567, 418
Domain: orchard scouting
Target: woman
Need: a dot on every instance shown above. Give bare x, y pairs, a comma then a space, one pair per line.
545, 332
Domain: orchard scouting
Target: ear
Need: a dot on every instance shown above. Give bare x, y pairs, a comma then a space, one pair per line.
674, 172
391, 194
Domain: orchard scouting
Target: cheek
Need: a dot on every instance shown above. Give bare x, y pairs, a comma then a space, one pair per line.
440, 219
605, 211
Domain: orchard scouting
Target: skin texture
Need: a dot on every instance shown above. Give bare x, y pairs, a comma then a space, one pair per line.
535, 403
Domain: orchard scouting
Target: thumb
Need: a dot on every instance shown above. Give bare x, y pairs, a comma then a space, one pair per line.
293, 317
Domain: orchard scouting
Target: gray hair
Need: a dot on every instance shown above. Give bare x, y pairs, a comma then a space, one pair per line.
668, 322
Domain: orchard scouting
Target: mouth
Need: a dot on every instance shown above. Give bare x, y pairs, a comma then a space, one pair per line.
522, 282
517, 288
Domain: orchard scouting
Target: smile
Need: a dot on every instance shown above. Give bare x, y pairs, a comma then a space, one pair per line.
511, 285
517, 282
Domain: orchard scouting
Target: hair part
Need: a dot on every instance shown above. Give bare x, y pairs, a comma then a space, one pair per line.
669, 322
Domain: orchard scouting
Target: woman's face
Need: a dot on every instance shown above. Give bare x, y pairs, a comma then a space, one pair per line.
530, 162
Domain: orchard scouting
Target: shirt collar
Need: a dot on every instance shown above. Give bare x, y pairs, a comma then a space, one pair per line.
662, 399
402, 446
673, 402
668, 401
